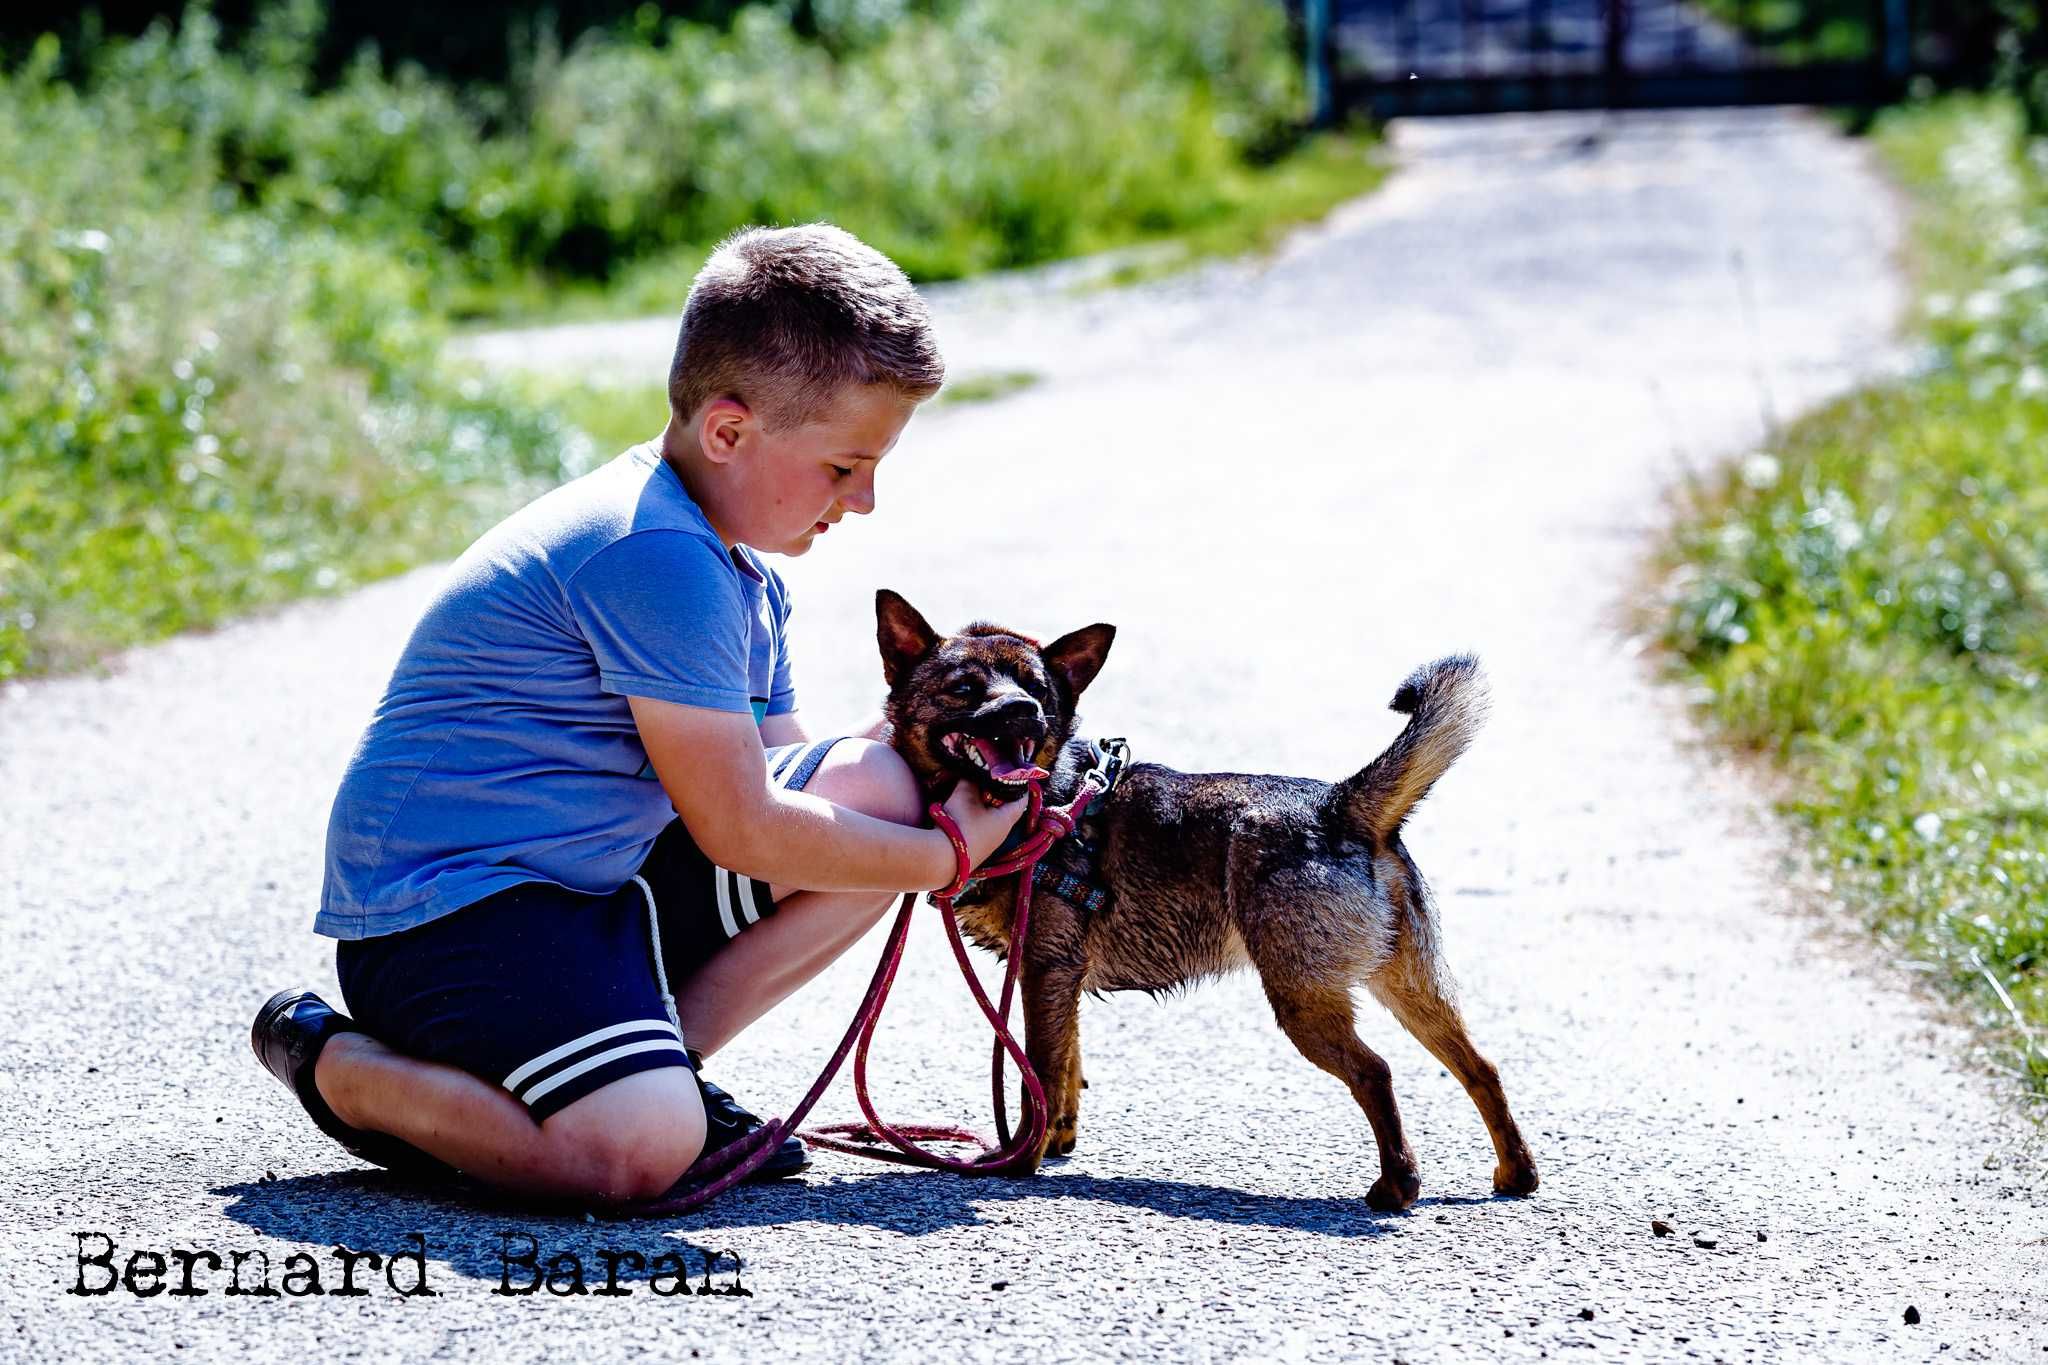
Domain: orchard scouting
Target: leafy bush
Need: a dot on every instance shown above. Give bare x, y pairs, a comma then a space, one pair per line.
224, 277
204, 412
1802, 30
1868, 600
956, 136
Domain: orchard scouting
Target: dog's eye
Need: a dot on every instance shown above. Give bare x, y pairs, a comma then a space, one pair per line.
964, 687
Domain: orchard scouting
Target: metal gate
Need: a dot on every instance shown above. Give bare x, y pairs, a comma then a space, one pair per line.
1390, 57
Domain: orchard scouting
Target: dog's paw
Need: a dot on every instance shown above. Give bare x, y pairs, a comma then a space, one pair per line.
1060, 1135
1392, 1193
1025, 1164
1515, 1177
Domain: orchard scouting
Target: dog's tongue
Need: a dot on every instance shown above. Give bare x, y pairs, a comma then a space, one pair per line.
1004, 768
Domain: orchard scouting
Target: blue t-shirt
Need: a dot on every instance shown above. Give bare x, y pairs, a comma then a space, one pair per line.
504, 750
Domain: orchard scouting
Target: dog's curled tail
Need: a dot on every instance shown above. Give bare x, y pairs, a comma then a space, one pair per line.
1445, 703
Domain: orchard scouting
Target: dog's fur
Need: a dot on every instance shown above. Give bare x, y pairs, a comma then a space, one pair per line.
1306, 881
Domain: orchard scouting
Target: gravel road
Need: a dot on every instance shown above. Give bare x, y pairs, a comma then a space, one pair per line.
1443, 419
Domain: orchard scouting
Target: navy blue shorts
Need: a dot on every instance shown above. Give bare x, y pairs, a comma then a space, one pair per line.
553, 993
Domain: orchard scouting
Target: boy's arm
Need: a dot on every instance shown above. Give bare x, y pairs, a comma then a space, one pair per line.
787, 728
713, 768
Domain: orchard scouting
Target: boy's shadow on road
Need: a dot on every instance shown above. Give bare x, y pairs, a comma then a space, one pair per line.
371, 1209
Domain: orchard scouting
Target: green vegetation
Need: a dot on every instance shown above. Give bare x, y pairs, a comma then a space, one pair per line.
1866, 601
614, 417
1962, 41
1801, 30
987, 386
201, 413
226, 278
957, 137
1256, 206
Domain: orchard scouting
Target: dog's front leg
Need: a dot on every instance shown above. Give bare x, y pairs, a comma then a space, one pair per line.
1052, 1039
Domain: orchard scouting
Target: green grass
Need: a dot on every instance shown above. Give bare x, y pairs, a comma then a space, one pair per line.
225, 281
1259, 205
202, 414
957, 137
612, 417
616, 417
1250, 209
1866, 601
655, 284
987, 386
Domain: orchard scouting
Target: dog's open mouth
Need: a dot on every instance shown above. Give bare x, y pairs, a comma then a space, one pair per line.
1004, 762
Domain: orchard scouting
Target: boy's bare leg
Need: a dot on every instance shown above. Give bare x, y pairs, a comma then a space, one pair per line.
631, 1139
634, 1138
809, 929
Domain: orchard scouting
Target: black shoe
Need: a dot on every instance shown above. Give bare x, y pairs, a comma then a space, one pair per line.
289, 1032
726, 1123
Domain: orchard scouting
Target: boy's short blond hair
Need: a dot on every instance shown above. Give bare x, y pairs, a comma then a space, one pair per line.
784, 318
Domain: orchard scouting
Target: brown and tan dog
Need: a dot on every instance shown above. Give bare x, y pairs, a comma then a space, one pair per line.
1306, 881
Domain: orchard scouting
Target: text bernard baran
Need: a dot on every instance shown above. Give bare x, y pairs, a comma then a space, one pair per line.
521, 1265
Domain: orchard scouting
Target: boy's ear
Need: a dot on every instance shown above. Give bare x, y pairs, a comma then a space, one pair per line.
720, 424
904, 635
1078, 655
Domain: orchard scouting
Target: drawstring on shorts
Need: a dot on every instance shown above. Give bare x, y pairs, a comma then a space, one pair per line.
668, 1001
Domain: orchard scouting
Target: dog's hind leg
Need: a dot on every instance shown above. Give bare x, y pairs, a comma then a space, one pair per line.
1052, 1040
1413, 994
1319, 1019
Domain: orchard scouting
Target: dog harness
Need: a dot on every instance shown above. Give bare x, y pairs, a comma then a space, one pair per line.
1011, 1153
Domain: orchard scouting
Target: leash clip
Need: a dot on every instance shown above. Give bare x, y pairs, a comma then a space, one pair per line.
1108, 758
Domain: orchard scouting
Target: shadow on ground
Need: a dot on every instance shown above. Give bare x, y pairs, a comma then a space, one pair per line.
372, 1209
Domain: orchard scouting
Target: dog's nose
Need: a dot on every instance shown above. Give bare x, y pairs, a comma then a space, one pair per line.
1016, 713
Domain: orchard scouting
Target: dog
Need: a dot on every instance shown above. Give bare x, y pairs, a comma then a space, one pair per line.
1307, 882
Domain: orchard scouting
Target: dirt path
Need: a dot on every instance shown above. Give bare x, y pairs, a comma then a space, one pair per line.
1441, 420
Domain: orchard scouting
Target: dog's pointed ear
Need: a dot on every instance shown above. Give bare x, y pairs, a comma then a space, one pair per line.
904, 635
1078, 655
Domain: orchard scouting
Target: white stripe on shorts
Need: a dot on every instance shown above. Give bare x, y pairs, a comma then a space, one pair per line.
524, 1073
736, 899
800, 758
563, 1077
718, 880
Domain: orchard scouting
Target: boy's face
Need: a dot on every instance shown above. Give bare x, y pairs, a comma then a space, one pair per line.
786, 488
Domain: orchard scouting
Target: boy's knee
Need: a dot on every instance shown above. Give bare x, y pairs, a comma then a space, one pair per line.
634, 1144
629, 1170
873, 779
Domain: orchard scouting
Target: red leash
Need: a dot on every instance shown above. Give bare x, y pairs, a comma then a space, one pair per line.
729, 1166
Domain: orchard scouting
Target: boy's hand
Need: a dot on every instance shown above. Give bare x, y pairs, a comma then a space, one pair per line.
983, 826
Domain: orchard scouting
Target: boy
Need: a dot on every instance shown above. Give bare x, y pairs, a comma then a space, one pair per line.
563, 862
